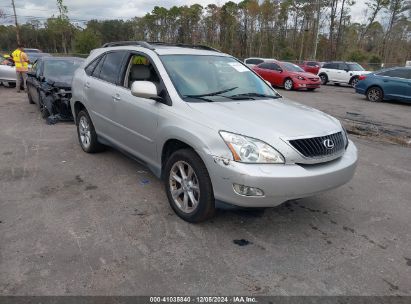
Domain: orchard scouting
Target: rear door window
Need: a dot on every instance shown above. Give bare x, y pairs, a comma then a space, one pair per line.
330, 66
112, 66
312, 63
400, 73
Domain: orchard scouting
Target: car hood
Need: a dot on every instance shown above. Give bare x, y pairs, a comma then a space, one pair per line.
266, 119
304, 74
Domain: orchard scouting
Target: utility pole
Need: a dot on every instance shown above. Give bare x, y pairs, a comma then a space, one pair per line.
17, 25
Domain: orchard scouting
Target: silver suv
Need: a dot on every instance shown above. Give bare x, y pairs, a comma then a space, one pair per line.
206, 124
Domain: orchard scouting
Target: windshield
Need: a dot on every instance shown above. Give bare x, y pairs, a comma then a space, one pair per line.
214, 78
355, 67
60, 69
291, 67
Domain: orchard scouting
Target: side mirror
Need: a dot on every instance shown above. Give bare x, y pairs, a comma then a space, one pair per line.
42, 78
31, 74
280, 70
347, 70
144, 89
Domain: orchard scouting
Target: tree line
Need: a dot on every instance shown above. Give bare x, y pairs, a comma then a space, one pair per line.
287, 30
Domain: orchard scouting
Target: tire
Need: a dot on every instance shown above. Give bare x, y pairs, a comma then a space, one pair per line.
354, 81
199, 184
375, 94
324, 79
86, 133
44, 112
29, 97
288, 84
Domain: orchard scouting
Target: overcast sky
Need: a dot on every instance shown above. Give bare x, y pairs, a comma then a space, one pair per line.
112, 9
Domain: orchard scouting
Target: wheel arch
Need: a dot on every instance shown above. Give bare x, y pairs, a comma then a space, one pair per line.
77, 107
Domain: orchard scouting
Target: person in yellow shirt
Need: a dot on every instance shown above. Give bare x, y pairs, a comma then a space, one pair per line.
21, 62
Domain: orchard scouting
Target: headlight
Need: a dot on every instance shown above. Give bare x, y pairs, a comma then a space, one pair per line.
300, 77
346, 136
250, 150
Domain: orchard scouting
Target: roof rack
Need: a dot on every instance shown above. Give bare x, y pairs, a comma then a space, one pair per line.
192, 46
124, 43
151, 45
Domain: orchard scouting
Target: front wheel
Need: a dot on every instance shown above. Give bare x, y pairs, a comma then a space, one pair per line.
188, 186
87, 135
288, 84
375, 94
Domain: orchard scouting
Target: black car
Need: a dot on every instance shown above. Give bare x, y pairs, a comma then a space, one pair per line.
49, 86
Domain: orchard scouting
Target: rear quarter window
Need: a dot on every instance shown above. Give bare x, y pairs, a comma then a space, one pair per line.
112, 66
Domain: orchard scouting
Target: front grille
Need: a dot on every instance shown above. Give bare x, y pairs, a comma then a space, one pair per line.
320, 146
315, 79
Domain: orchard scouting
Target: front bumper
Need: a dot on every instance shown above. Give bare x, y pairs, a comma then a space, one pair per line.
280, 183
306, 85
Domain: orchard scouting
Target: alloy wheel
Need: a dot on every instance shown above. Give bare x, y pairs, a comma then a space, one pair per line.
288, 84
323, 79
84, 130
184, 187
374, 94
354, 82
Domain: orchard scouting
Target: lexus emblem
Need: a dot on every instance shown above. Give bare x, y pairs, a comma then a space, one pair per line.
328, 143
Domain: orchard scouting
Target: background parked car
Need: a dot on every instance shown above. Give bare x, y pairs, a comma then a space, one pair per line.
7, 71
287, 75
34, 56
29, 50
310, 66
253, 61
341, 72
394, 83
49, 85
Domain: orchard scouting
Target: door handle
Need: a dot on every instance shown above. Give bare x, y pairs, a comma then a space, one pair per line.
87, 85
116, 97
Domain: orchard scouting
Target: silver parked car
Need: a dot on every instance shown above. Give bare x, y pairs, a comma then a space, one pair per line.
208, 125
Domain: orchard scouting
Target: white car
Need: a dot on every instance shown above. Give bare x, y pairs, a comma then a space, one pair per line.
7, 72
341, 72
253, 61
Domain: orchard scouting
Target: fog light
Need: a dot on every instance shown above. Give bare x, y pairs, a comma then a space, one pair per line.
303, 85
247, 191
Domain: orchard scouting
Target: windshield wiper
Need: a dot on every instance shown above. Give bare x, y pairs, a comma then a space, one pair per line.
253, 94
213, 93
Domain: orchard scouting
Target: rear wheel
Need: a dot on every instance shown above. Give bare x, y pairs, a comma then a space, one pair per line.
354, 81
188, 186
375, 94
87, 135
324, 79
288, 84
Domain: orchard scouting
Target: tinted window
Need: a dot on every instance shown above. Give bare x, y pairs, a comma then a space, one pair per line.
254, 61
342, 66
401, 73
97, 69
265, 66
90, 68
112, 66
330, 66
275, 67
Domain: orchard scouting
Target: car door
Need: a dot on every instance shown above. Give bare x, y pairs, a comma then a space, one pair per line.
33, 81
277, 74
102, 78
341, 73
397, 84
136, 117
331, 69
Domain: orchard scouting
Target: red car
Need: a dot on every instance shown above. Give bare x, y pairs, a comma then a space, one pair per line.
310, 66
287, 75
